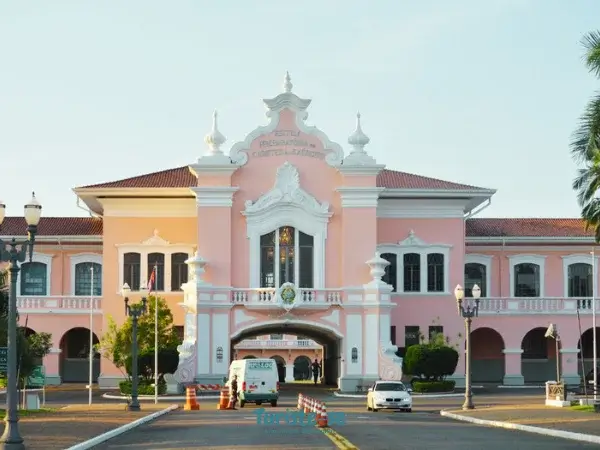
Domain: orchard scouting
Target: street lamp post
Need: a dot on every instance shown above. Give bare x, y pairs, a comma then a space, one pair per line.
15, 252
468, 312
135, 312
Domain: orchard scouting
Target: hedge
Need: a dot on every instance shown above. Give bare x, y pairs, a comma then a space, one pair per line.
433, 386
144, 387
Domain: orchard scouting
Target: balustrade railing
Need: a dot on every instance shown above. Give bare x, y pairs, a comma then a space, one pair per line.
58, 304
306, 297
536, 305
278, 343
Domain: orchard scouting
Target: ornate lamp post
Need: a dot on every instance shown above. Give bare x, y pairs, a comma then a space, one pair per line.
15, 252
467, 312
135, 312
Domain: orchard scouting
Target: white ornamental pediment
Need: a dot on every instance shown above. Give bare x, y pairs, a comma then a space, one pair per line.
287, 192
156, 240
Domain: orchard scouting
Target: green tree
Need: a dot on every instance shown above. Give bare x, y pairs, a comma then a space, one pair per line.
585, 143
115, 344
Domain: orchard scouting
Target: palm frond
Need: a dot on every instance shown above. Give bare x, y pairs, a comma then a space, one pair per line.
591, 43
585, 142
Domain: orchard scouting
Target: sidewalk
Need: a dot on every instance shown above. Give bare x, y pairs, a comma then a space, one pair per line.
548, 420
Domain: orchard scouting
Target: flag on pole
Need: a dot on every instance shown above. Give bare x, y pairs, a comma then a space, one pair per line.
152, 280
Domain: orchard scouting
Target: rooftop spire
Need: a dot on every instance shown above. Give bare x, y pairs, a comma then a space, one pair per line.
215, 139
358, 139
287, 83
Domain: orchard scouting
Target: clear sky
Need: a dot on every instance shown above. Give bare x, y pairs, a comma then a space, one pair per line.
480, 92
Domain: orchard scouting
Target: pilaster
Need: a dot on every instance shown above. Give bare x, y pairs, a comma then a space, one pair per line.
52, 367
568, 360
512, 371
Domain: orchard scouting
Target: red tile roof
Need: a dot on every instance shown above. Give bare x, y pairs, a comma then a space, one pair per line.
181, 177
54, 226
527, 228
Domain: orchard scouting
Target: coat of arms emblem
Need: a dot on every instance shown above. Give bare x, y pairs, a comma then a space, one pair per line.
287, 295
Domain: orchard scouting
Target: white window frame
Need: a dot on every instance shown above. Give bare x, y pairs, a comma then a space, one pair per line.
486, 261
412, 244
579, 259
155, 244
83, 258
39, 258
515, 260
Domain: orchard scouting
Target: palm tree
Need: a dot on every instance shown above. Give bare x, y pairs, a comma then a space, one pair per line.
585, 144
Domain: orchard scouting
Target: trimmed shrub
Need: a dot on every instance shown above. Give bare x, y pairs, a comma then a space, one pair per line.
144, 387
430, 362
433, 386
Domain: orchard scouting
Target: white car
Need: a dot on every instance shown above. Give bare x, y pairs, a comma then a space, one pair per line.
389, 395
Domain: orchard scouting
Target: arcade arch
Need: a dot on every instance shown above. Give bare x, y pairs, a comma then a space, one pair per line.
538, 360
74, 356
586, 350
302, 369
328, 337
488, 355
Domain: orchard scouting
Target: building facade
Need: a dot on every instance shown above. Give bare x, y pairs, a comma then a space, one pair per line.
288, 234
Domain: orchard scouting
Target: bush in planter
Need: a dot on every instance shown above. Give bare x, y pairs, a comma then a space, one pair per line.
433, 386
144, 387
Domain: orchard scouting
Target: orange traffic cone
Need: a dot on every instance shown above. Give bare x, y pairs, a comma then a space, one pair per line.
322, 421
300, 401
223, 399
190, 400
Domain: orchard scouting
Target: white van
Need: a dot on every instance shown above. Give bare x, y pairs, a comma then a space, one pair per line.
258, 380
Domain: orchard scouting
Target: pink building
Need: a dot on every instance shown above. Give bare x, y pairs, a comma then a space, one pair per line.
286, 233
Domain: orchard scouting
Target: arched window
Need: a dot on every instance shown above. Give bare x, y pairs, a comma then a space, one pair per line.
131, 270
179, 270
527, 280
157, 260
84, 278
390, 276
580, 280
286, 256
34, 278
475, 274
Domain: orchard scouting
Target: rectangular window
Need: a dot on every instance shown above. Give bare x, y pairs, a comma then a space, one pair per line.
475, 274
435, 272
306, 246
34, 279
276, 337
179, 270
435, 330
83, 279
390, 276
157, 260
393, 334
412, 272
580, 280
411, 335
267, 260
131, 270
527, 280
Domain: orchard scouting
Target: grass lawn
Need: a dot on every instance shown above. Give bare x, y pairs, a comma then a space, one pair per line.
585, 408
28, 412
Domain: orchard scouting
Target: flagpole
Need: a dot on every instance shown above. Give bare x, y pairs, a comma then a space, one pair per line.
595, 343
91, 374
155, 339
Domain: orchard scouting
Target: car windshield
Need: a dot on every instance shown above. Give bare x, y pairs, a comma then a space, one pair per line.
389, 387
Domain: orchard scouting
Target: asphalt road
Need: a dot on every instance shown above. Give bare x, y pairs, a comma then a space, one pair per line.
423, 429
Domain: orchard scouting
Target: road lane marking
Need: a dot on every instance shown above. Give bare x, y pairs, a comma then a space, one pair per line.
340, 441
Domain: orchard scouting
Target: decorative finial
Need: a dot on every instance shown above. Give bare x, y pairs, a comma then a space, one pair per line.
215, 139
287, 83
156, 232
358, 139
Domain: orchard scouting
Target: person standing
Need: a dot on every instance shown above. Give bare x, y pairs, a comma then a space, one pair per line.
316, 368
233, 392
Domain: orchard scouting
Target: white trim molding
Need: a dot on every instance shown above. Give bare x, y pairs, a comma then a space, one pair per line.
287, 204
539, 260
214, 196
486, 261
154, 244
149, 207
43, 258
406, 208
359, 197
579, 259
82, 258
413, 244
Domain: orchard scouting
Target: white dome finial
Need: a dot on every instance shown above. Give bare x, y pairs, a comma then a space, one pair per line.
215, 139
287, 83
358, 139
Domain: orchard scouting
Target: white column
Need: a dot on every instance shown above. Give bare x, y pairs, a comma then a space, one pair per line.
289, 373
220, 338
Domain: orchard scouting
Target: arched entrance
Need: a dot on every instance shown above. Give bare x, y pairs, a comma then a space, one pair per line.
586, 350
487, 360
74, 356
302, 368
280, 367
329, 338
538, 360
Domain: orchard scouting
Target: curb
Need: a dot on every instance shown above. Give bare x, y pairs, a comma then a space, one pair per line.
527, 428
520, 387
3, 391
91, 443
160, 399
414, 396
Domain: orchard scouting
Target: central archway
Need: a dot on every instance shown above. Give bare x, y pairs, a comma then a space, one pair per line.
324, 335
